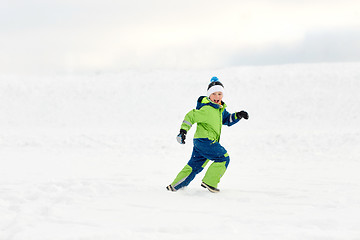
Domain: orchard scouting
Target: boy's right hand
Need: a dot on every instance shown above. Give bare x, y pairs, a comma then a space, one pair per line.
181, 136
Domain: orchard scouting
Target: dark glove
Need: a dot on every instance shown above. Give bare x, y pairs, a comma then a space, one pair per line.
181, 136
242, 114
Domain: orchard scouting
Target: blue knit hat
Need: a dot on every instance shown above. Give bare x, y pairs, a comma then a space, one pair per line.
215, 86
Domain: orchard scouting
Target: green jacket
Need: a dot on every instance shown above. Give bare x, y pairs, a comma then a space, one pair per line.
209, 117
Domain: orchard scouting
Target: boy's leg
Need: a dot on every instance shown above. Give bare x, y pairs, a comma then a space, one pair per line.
195, 165
221, 159
214, 173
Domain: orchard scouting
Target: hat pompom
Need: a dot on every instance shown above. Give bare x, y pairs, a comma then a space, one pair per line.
214, 79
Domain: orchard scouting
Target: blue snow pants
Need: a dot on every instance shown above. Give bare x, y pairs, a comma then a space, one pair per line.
203, 151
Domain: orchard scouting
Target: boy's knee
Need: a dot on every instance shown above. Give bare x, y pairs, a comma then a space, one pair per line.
224, 159
227, 161
197, 169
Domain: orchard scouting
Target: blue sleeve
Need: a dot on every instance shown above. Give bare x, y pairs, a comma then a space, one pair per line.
229, 119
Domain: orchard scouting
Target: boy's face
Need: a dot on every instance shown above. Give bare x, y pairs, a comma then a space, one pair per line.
216, 97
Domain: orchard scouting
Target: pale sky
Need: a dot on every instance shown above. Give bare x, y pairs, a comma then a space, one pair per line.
88, 35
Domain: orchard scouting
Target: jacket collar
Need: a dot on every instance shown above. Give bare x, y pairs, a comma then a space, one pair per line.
203, 101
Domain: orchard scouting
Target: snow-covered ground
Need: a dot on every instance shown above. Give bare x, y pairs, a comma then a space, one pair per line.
87, 157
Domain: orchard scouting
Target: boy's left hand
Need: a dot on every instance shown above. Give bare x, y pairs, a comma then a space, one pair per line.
242, 114
181, 136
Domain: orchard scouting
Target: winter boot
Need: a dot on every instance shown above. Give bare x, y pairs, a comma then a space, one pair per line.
210, 188
170, 188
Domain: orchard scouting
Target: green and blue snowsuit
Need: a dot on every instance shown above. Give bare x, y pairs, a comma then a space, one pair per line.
209, 118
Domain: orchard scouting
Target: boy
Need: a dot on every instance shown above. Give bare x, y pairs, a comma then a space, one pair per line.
210, 114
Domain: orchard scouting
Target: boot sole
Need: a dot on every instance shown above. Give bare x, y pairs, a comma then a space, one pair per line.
170, 188
211, 189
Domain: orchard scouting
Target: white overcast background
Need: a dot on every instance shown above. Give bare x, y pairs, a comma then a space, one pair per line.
59, 36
